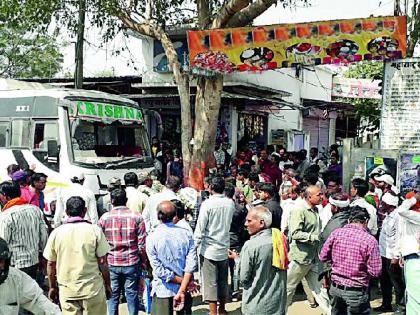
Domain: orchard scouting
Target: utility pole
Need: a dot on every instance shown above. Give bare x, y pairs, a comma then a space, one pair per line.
78, 75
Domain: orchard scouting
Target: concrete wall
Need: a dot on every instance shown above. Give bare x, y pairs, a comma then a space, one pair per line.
354, 160
285, 119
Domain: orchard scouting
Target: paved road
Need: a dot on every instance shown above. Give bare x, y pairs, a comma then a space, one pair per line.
299, 307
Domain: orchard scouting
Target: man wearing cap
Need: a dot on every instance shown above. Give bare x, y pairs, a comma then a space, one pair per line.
76, 189
386, 184
408, 241
354, 254
21, 178
340, 214
391, 271
18, 290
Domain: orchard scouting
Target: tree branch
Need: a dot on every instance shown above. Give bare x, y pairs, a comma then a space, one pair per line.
203, 10
247, 15
415, 32
227, 11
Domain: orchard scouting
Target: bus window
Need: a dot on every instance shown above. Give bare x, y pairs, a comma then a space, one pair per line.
20, 133
44, 131
4, 126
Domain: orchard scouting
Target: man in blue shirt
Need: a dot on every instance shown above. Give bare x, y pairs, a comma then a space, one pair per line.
171, 253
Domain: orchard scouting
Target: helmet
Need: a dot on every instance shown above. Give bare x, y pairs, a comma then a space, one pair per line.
4, 255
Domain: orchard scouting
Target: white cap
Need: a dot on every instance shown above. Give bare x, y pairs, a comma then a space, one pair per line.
339, 203
385, 178
79, 176
390, 199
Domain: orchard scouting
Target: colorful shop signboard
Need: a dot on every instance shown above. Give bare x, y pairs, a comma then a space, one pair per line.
106, 111
276, 46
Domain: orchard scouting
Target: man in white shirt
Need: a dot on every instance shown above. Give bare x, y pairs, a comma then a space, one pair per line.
146, 185
18, 290
168, 193
359, 188
179, 218
392, 275
293, 202
212, 238
76, 189
136, 200
408, 241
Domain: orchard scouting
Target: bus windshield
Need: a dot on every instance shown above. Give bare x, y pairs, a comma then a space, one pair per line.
109, 143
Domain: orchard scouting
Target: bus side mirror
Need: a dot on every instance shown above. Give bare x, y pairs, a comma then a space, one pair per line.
53, 151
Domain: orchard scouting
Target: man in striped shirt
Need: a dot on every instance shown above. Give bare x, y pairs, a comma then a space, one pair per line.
23, 227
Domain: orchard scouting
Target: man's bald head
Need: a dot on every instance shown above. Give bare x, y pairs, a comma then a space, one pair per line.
166, 211
313, 195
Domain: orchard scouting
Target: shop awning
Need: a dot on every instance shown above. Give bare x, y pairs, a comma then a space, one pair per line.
231, 90
331, 106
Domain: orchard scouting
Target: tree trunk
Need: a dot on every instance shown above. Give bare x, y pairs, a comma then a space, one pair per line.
183, 84
203, 9
186, 124
207, 106
78, 75
181, 78
397, 7
415, 31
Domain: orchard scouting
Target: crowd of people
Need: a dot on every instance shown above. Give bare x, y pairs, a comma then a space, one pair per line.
263, 224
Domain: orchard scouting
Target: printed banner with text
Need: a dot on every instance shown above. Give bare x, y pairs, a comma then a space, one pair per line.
356, 88
285, 45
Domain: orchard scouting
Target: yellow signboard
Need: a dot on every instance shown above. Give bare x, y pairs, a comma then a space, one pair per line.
284, 45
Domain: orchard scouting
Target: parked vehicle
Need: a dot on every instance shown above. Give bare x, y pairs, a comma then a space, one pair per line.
63, 132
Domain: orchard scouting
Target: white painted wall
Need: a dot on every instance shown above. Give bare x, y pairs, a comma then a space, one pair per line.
311, 83
285, 119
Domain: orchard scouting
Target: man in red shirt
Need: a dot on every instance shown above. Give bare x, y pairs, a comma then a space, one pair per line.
271, 168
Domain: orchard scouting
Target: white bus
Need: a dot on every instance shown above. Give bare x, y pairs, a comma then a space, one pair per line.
63, 132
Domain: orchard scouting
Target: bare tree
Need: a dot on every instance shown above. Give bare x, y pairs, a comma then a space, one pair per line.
209, 15
414, 28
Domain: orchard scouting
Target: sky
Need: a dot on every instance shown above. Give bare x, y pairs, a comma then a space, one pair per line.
100, 59
320, 10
